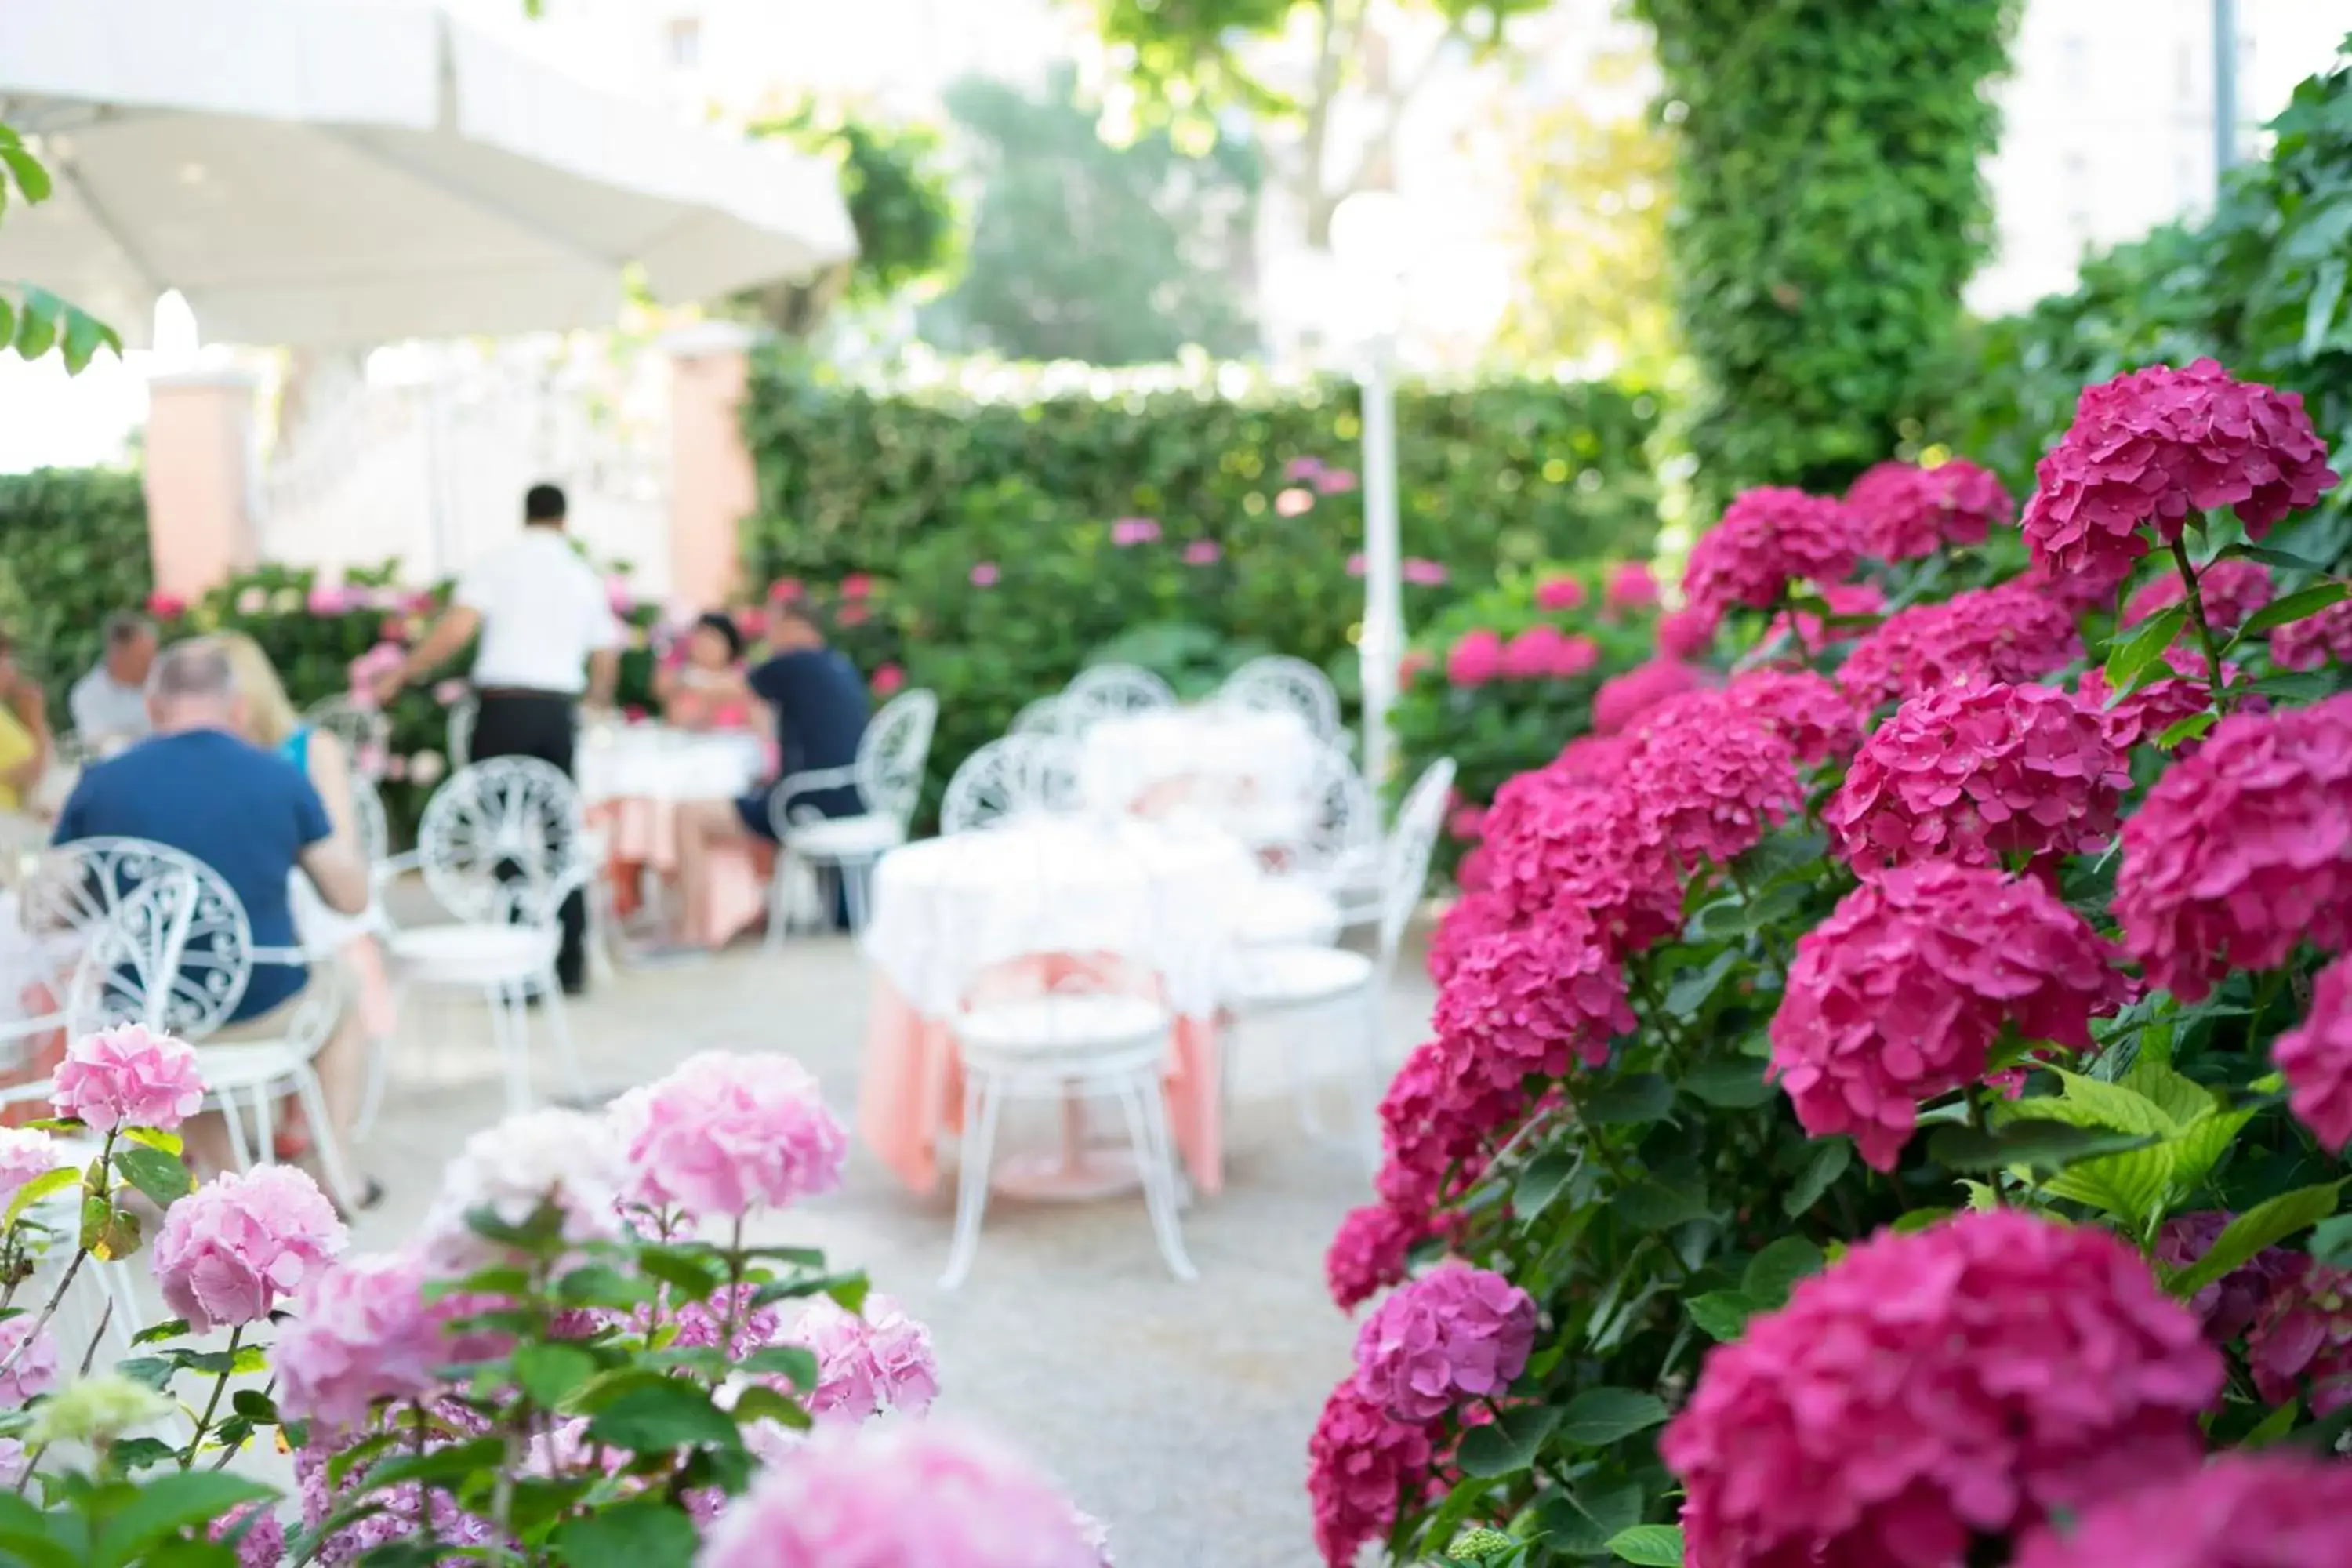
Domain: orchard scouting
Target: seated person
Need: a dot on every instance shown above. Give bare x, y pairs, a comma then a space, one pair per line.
250, 814
819, 702
706, 691
109, 702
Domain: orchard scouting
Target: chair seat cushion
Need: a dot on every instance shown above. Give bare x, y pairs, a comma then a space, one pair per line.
460, 955
834, 837
1294, 976
1061, 1025
241, 1064
1287, 913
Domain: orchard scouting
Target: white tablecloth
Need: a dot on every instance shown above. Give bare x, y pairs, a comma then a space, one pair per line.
947, 910
648, 762
1248, 771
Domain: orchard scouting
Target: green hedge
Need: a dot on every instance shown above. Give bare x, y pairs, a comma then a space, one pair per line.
73, 550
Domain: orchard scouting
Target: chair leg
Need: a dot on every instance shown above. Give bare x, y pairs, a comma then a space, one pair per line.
1365, 1088
232, 1117
559, 1035
982, 1101
379, 1068
780, 903
858, 891
265, 1130
313, 1098
1147, 1127
513, 1045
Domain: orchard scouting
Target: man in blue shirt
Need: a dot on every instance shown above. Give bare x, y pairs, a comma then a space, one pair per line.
249, 813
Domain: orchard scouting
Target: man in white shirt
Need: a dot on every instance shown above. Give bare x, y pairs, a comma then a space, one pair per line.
548, 634
109, 703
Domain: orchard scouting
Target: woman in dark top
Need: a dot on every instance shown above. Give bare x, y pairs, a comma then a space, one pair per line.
818, 701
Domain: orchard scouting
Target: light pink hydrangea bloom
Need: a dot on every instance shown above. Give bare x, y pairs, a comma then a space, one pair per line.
362, 1330
128, 1077
562, 1157
231, 1250
36, 1369
724, 1135
913, 1495
866, 1362
26, 1156
263, 1545
1455, 1334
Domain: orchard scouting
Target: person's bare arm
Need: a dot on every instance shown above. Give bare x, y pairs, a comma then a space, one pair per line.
339, 871
453, 631
32, 711
603, 676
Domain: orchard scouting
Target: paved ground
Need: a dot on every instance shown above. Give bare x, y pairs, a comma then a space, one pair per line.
1178, 1414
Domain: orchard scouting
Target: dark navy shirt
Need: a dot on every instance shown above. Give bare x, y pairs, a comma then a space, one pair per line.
246, 813
820, 703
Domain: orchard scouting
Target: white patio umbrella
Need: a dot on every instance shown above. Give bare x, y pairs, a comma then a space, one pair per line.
311, 174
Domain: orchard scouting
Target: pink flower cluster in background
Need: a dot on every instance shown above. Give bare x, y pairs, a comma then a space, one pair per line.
1769, 538
1900, 993
2269, 1510
1805, 709
26, 1156
2313, 640
362, 1330
2155, 708
868, 1361
2156, 445
128, 1077
1361, 1463
1561, 593
1128, 532
1812, 633
33, 1369
2301, 1345
1368, 1253
1904, 512
2232, 591
724, 1135
2317, 1059
2008, 633
1631, 588
1806, 1441
1541, 652
1624, 698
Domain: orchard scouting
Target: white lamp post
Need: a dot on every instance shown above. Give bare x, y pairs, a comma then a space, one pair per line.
1372, 241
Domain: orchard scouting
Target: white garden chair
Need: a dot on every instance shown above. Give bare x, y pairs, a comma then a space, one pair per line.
501, 848
462, 714
888, 778
366, 733
1280, 683
1295, 979
1019, 776
1111, 692
1327, 875
1038, 716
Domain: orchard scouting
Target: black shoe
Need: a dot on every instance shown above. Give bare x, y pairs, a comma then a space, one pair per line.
575, 985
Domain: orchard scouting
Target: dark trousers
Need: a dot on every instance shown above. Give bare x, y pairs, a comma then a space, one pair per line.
541, 725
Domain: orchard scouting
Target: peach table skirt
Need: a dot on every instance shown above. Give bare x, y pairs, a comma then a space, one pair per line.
643, 835
912, 1089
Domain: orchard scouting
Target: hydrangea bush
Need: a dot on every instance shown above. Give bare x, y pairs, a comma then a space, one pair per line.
584, 1358
1887, 1085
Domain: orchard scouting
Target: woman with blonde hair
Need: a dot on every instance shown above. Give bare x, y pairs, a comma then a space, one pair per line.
272, 723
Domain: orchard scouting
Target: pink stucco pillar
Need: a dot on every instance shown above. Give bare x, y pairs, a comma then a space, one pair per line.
199, 477
712, 488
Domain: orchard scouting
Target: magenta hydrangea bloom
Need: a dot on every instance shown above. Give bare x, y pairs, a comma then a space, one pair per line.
1361, 1463
128, 1077
724, 1135
1816, 633
2271, 1510
35, 1368
1805, 709
2231, 590
1624, 698
1476, 658
2005, 634
1545, 652
229, 1251
1553, 841
1535, 1000
1368, 1253
1707, 778
2148, 712
1976, 774
1560, 594
1769, 537
2302, 1342
263, 1545
1899, 995
1929, 1389
2317, 1059
867, 1363
362, 1330
2316, 639
2230, 1305
1906, 511
2156, 445
1455, 1334
1685, 634
2242, 850
923, 1494
1432, 1132
26, 1156
1471, 917
1632, 586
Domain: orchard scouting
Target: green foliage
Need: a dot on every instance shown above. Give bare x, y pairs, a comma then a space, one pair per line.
32, 319
73, 550
893, 181
1828, 209
1080, 250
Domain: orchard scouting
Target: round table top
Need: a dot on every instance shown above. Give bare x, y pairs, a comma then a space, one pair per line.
655, 761
1249, 770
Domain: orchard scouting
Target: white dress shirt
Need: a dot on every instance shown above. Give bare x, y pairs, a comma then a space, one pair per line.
105, 709
543, 610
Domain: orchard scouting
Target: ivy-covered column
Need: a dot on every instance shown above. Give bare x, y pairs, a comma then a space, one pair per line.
1828, 209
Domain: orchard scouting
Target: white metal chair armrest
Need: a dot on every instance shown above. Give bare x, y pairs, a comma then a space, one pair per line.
780, 799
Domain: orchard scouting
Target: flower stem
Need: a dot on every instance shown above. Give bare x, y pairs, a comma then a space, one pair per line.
212, 1405
1796, 630
2196, 601
227, 1454
57, 1297
1982, 1123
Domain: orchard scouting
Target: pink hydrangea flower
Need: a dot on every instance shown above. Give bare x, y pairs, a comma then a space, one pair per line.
1907, 512
1562, 593
2148, 712
1812, 632
866, 1364
1204, 552
263, 1545
1423, 1133
1805, 709
1466, 821
565, 1158
128, 1077
888, 681
786, 591
2303, 1337
1543, 652
918, 1495
1534, 1001
361, 1331
1631, 588
2313, 640
723, 1135
1554, 838
2229, 1306
405, 1507
2271, 1510
1976, 774
1813, 1441
1335, 481
26, 1156
36, 1369
2231, 590
1368, 1253
856, 586
1687, 633
229, 1251
1899, 995
1361, 1463
1707, 778
985, 575
1133, 531
2242, 850
1769, 538
1421, 574
1624, 698
1304, 470
1471, 919
1455, 1334
2317, 1059
2158, 445
165, 607
2008, 633
1476, 658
